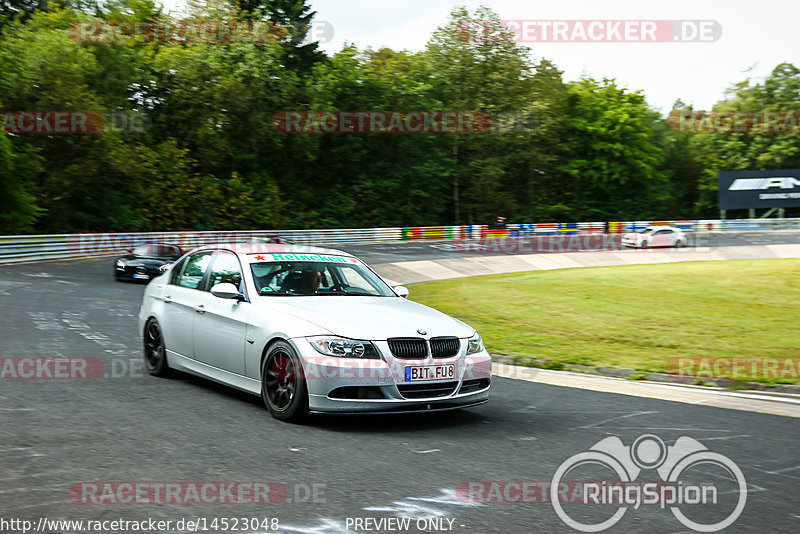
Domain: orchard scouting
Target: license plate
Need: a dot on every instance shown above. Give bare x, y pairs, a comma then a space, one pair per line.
416, 373
142, 276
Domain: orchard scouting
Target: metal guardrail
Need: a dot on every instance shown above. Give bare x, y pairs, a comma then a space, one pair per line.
26, 248
748, 225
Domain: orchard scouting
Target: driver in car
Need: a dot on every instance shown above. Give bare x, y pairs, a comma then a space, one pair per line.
310, 282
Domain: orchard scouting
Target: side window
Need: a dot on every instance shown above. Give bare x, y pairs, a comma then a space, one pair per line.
176, 272
192, 275
662, 232
226, 270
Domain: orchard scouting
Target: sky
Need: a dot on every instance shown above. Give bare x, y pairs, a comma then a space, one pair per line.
756, 36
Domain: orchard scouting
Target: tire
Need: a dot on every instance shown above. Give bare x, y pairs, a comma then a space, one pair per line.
155, 354
644, 244
283, 386
678, 243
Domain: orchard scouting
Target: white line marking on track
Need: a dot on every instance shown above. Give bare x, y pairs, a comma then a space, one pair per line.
634, 414
724, 437
780, 471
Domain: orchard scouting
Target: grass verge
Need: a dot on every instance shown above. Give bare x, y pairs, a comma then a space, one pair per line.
641, 317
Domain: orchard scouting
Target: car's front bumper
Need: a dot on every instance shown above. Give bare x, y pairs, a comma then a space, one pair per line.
349, 385
139, 273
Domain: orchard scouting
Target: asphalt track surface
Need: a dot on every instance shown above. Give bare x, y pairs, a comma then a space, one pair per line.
436, 250
128, 426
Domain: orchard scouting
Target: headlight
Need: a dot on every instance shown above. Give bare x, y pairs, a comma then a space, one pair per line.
475, 344
344, 348
120, 262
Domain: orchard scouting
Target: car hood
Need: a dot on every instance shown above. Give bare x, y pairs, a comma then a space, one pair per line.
372, 318
633, 235
144, 260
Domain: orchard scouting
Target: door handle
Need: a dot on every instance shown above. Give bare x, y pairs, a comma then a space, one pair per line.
200, 308
167, 300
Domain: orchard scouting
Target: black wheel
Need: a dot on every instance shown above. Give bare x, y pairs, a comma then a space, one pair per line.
678, 243
283, 386
155, 355
644, 244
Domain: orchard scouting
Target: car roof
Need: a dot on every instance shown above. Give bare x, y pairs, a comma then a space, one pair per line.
248, 249
663, 227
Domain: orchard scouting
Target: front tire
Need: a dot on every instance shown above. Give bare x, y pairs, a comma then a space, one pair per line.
155, 354
283, 386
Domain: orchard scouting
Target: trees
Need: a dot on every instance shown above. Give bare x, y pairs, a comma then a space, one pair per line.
612, 163
207, 155
295, 18
780, 91
488, 73
18, 209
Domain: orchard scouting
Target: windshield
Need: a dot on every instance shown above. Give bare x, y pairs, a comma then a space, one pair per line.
646, 231
157, 250
305, 278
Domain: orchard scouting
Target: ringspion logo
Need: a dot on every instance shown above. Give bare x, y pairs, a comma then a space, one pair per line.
680, 489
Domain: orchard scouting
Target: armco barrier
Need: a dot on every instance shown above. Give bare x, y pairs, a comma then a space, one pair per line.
23, 248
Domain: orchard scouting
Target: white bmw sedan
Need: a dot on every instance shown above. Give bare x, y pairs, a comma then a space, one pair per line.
656, 236
311, 331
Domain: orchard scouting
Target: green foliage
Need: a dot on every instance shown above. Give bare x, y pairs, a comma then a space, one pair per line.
18, 209
744, 151
612, 164
208, 157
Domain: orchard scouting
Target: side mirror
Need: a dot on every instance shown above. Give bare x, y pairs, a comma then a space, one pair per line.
226, 291
402, 291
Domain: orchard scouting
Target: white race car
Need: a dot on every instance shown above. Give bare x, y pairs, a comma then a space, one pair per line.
310, 330
656, 236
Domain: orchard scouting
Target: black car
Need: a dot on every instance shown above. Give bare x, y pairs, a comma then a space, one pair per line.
145, 261
269, 239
